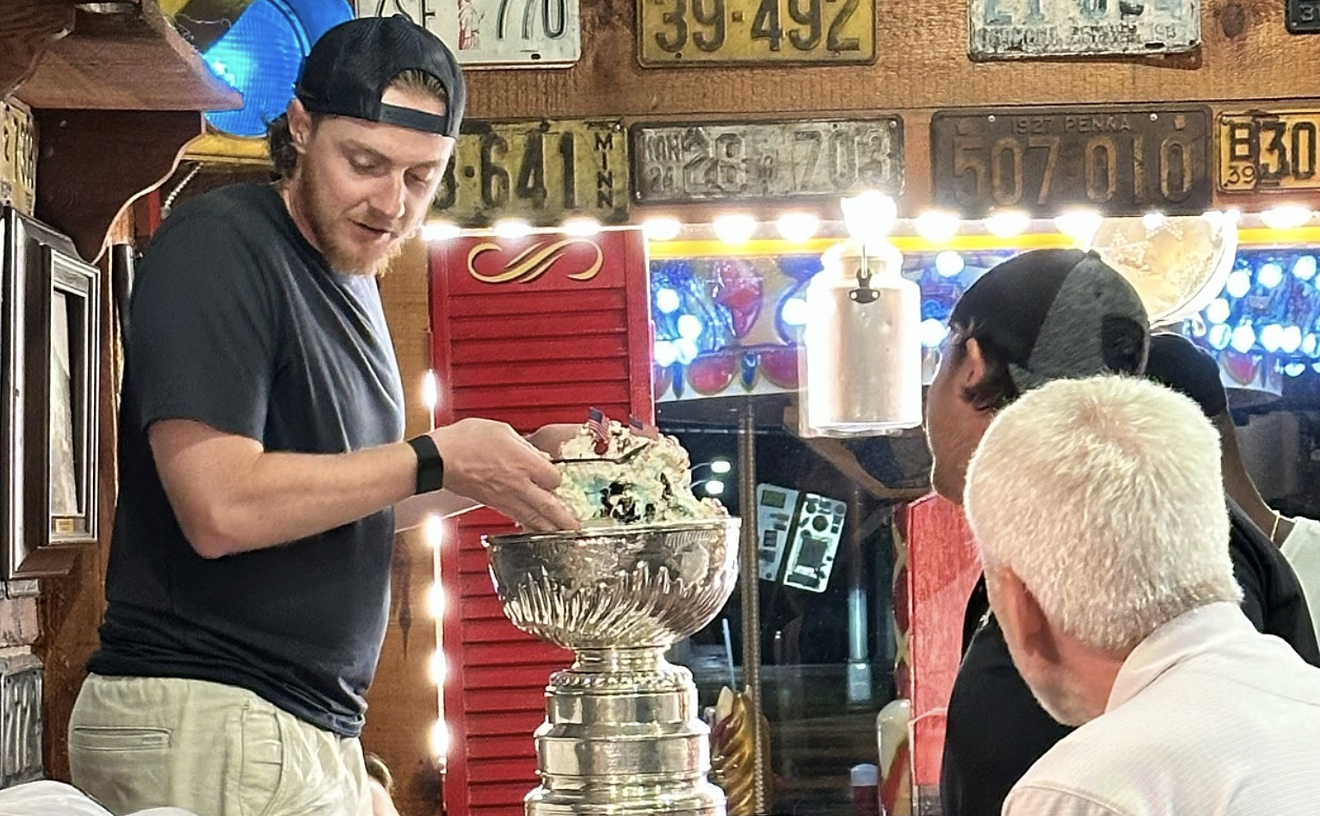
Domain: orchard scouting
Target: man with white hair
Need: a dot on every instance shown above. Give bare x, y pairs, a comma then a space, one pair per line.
1099, 512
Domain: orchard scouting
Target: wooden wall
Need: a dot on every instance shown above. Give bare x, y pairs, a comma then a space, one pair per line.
1246, 55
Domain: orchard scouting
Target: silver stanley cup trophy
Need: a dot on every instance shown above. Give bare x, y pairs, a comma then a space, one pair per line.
621, 735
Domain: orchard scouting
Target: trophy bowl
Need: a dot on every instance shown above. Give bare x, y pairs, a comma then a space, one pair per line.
617, 587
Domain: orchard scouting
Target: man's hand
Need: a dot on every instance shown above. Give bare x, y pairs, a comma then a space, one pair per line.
490, 463
550, 438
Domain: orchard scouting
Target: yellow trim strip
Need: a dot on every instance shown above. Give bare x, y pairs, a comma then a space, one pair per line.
660, 250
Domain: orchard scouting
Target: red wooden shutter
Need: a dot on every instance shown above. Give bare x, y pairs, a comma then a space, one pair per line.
528, 331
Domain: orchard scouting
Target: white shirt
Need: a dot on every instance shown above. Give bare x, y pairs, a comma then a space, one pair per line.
1302, 549
1207, 717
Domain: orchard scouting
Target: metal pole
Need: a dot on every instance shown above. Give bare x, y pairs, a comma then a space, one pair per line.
750, 588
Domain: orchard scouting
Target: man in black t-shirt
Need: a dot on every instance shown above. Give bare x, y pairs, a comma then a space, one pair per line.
260, 456
1041, 316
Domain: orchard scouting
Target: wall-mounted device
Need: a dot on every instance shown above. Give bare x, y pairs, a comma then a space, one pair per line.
798, 536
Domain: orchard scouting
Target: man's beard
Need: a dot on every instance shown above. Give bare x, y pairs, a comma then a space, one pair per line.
342, 260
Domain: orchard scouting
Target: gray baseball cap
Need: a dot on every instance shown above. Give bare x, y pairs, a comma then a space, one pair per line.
1056, 314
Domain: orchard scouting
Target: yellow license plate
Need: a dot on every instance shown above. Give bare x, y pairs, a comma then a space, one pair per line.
755, 32
541, 171
1260, 150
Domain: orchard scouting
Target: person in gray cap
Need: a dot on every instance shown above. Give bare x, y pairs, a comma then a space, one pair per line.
261, 461
1042, 316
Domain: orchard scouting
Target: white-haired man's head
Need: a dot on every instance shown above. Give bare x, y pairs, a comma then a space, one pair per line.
1099, 512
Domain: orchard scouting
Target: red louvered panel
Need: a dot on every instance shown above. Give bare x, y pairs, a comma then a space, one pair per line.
504, 724
549, 349
486, 608
530, 347
493, 747
569, 371
537, 325
555, 303
529, 676
472, 401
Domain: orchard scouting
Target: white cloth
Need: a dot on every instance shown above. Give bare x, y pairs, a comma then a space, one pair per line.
1207, 717
1302, 549
50, 798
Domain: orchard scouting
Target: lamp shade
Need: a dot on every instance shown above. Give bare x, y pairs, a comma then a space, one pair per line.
860, 358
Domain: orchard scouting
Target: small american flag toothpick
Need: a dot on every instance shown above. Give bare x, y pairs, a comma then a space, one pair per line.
600, 430
642, 429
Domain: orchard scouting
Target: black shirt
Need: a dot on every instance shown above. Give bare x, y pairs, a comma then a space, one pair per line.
236, 321
996, 730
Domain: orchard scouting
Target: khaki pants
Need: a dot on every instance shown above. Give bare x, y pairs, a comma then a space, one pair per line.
216, 750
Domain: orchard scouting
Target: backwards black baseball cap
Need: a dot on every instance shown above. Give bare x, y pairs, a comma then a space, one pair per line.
350, 67
1056, 314
1176, 362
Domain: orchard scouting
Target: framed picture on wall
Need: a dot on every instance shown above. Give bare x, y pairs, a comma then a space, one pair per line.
50, 347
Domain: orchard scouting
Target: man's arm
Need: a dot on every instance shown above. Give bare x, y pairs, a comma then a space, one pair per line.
230, 495
412, 511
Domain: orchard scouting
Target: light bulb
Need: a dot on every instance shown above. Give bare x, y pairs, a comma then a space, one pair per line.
734, 228
721, 466
1286, 216
433, 531
1218, 311
434, 232
1238, 284
667, 300
794, 312
581, 227
1079, 225
661, 228
1244, 337
949, 263
937, 226
1269, 275
932, 332
511, 228
1007, 223
797, 226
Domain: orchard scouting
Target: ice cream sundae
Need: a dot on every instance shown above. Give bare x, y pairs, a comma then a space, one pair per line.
618, 474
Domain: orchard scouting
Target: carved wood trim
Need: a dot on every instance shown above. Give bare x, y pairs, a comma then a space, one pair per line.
93, 164
27, 29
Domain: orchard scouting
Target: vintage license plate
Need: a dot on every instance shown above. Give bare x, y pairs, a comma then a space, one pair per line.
1303, 16
1005, 29
538, 170
1261, 151
674, 33
18, 157
766, 160
1121, 161
495, 33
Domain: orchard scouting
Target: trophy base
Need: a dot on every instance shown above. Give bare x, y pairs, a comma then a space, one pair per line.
622, 738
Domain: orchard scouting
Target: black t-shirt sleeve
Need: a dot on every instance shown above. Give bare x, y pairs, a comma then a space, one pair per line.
995, 730
202, 330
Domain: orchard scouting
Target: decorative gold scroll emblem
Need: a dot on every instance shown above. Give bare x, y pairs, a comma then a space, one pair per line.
535, 261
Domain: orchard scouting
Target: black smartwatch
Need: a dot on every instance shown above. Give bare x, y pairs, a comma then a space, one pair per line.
430, 467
